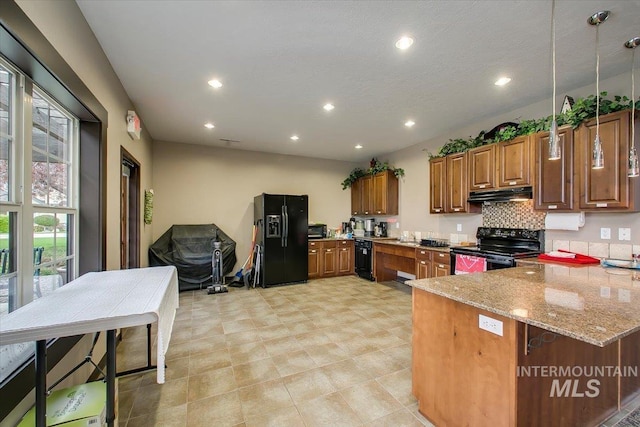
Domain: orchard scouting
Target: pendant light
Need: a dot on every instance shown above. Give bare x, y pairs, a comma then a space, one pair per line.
597, 156
554, 139
634, 168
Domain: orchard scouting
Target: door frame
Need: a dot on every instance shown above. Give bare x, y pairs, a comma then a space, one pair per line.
132, 210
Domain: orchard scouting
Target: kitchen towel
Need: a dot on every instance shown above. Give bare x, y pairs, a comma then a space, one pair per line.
564, 221
577, 259
466, 264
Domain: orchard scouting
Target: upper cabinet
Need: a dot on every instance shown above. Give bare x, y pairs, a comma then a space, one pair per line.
608, 187
456, 200
385, 193
356, 197
437, 184
554, 179
448, 185
375, 194
482, 167
514, 162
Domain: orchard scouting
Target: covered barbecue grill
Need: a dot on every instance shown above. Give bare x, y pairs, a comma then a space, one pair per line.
189, 248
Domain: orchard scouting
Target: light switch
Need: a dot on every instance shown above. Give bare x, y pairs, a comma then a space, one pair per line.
458, 227
605, 233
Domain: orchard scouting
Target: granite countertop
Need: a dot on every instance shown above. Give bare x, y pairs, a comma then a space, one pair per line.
592, 304
394, 241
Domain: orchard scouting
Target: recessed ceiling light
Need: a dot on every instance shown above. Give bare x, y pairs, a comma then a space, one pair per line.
215, 83
295, 138
328, 106
359, 146
209, 125
404, 43
409, 123
502, 81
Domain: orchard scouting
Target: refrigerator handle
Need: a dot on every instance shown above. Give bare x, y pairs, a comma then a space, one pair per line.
283, 230
286, 227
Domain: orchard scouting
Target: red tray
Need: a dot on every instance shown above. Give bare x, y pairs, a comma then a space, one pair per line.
579, 258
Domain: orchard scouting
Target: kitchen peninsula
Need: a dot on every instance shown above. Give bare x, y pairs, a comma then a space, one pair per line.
533, 345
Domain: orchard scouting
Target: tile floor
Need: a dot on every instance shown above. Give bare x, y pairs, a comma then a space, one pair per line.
332, 352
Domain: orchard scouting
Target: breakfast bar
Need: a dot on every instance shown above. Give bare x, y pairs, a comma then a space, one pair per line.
536, 345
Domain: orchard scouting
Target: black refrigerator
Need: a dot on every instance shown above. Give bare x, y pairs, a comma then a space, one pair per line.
282, 234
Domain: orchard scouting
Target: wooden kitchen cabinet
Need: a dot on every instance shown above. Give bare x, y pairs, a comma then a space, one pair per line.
314, 260
555, 181
375, 194
482, 167
514, 162
608, 188
346, 261
329, 258
367, 194
356, 197
385, 193
448, 190
423, 264
437, 184
441, 264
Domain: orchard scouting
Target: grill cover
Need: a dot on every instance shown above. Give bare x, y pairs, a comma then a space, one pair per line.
190, 249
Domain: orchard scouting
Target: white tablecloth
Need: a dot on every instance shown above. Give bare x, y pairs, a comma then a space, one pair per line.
98, 302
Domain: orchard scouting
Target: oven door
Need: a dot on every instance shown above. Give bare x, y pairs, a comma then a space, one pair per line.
493, 262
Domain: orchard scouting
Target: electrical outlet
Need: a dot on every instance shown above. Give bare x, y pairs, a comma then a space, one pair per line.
397, 225
605, 233
458, 227
489, 324
624, 234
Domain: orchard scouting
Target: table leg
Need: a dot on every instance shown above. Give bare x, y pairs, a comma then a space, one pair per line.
149, 366
41, 383
111, 377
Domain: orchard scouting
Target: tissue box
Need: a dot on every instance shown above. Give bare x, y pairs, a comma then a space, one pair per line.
81, 406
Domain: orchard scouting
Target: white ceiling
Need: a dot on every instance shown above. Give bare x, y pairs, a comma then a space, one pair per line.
281, 61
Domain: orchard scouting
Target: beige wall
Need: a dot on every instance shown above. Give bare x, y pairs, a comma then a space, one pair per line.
414, 190
64, 26
195, 184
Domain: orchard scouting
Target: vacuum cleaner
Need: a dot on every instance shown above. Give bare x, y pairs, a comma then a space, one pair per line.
217, 287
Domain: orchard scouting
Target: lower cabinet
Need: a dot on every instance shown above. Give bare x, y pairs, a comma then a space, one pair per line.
432, 264
423, 263
330, 258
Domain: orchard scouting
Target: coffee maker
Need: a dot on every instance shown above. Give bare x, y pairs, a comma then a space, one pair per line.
382, 229
347, 228
369, 225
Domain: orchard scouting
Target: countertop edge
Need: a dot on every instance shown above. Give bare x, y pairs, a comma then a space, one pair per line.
525, 320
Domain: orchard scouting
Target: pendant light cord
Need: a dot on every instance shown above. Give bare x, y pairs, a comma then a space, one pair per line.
553, 54
597, 80
633, 102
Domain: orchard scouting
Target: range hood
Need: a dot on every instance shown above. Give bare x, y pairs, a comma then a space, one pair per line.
501, 195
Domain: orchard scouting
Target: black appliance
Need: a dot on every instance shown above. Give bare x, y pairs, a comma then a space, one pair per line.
381, 230
434, 243
501, 195
317, 231
282, 235
364, 258
501, 247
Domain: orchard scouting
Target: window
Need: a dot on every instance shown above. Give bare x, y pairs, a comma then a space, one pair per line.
37, 231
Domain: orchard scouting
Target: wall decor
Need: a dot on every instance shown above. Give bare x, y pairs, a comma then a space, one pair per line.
148, 206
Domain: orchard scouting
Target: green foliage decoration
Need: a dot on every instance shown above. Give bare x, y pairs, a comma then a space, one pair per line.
375, 167
582, 109
4, 223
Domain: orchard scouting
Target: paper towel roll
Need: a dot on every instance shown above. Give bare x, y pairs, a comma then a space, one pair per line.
564, 221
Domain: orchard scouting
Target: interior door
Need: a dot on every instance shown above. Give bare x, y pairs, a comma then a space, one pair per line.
129, 212
296, 260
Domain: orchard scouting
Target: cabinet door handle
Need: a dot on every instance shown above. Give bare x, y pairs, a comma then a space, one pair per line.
313, 251
379, 211
441, 255
328, 250
513, 182
456, 210
436, 210
440, 266
423, 252
422, 262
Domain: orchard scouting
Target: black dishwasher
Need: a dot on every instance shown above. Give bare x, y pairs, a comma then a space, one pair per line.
364, 258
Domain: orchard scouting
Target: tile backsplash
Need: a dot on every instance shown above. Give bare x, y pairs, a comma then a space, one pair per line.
512, 215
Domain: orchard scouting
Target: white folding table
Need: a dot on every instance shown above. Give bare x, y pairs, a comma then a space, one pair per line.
102, 301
